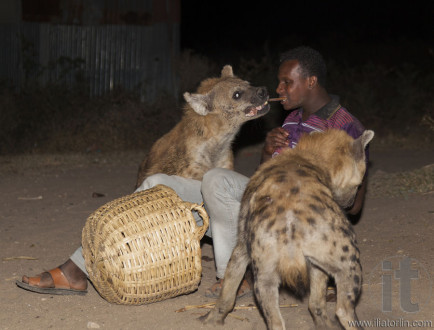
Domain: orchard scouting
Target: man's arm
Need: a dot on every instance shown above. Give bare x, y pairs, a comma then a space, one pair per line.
360, 198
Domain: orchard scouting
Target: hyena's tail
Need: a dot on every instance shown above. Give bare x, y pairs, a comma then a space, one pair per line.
293, 271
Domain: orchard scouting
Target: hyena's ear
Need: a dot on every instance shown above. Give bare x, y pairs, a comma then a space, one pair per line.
361, 142
366, 137
227, 71
199, 102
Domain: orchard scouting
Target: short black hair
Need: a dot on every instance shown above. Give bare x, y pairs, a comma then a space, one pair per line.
311, 62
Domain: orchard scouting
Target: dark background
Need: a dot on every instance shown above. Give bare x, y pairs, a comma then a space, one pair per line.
379, 54
226, 29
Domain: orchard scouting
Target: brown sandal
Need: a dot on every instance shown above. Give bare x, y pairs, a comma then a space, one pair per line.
61, 284
331, 294
243, 291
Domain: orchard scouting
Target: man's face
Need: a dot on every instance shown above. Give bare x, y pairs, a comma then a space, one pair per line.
292, 85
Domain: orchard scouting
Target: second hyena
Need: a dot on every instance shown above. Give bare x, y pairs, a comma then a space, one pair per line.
293, 230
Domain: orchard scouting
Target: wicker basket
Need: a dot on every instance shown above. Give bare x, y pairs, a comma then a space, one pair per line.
144, 247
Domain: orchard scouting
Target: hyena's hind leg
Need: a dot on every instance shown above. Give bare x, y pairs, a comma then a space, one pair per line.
267, 278
234, 274
347, 272
266, 286
348, 285
317, 299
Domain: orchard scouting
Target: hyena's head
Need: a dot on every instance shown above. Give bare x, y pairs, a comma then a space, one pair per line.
344, 159
350, 167
232, 99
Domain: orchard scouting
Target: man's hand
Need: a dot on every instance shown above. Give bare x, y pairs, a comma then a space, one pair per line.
276, 138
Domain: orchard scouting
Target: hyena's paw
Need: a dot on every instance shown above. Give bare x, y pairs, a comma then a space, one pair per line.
325, 323
212, 317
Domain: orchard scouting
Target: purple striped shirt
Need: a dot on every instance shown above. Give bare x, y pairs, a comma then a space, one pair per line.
332, 115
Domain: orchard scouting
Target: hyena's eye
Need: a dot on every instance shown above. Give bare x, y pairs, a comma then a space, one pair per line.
237, 95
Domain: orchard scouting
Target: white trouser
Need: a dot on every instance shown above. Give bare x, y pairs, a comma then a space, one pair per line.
221, 191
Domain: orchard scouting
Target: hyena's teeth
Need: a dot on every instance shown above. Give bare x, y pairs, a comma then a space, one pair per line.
252, 112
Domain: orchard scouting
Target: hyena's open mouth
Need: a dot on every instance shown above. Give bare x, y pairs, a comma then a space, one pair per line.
257, 111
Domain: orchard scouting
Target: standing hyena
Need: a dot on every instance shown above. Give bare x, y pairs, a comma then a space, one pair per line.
203, 138
292, 229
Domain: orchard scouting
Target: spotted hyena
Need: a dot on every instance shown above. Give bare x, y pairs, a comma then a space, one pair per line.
203, 138
293, 230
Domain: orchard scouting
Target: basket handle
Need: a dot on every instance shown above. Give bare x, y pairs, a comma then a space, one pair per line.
200, 231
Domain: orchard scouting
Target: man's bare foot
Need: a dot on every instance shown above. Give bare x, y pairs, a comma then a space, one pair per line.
66, 279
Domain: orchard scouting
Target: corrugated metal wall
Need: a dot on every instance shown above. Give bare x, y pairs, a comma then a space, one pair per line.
109, 56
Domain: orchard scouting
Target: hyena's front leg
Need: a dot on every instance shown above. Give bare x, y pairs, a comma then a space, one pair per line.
233, 276
317, 299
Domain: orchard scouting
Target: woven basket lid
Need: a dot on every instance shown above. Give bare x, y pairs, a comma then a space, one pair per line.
144, 247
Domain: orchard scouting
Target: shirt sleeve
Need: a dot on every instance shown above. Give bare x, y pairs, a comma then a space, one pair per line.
354, 129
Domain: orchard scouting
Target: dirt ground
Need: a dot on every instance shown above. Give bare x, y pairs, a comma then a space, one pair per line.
45, 201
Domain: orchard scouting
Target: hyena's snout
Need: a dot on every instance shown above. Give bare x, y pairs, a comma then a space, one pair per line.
259, 105
261, 95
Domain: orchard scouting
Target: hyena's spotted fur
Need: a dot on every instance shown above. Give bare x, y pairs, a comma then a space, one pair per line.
203, 138
293, 230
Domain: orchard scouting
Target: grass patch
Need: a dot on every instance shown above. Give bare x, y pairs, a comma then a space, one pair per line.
401, 184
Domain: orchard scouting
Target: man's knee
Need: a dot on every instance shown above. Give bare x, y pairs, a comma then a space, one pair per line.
153, 180
214, 180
